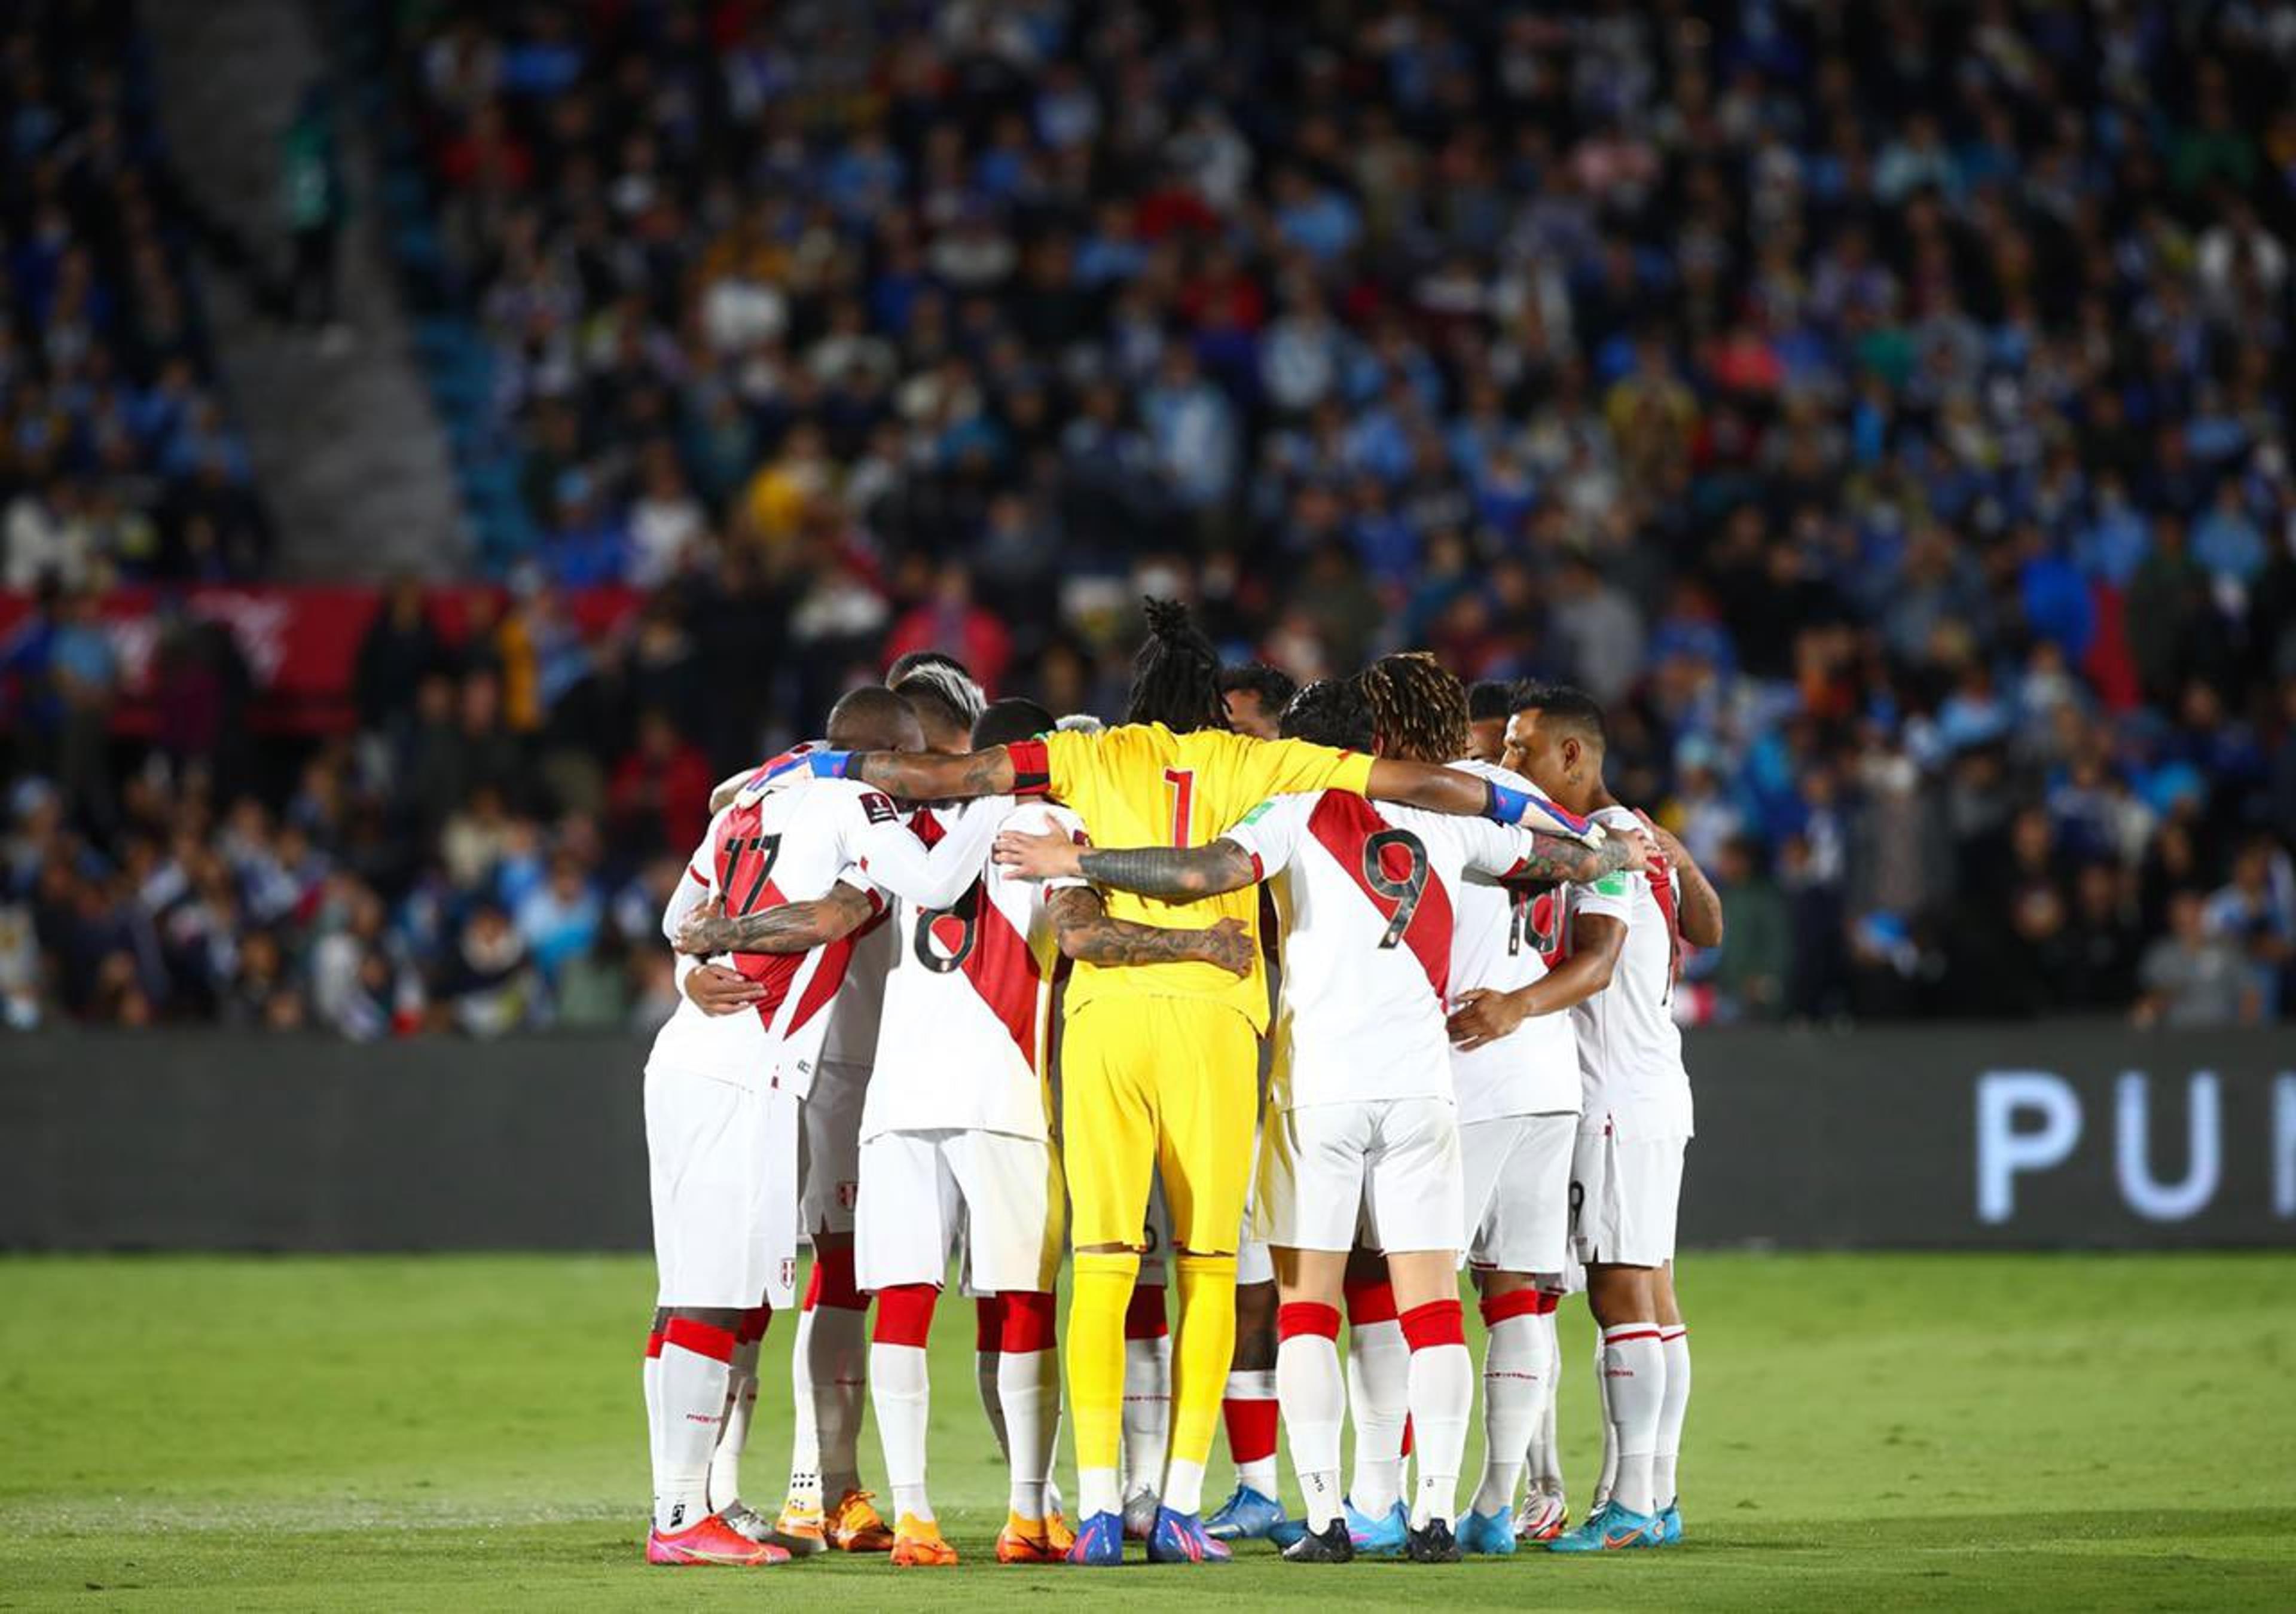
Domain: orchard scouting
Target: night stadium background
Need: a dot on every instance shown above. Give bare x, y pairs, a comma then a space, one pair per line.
440, 438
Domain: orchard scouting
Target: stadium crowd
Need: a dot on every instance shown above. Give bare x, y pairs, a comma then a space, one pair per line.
1882, 408
117, 460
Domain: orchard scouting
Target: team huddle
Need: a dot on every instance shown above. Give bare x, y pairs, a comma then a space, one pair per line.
1288, 1001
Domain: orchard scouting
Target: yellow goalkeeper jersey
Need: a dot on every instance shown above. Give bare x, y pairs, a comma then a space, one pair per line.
1142, 785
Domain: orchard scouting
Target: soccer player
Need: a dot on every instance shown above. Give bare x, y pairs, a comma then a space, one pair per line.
1626, 1170
720, 1134
1489, 704
1514, 1060
1360, 1111
826, 1505
1256, 695
956, 1137
1159, 1064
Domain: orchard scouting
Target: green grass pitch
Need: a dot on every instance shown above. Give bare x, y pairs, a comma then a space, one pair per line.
1868, 1432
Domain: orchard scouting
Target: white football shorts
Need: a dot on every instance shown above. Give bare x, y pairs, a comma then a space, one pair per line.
1397, 1159
921, 1192
1624, 1196
721, 1162
830, 1157
1517, 1169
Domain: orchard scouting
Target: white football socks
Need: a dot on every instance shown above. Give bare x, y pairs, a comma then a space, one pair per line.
741, 1405
1675, 1343
1515, 1370
837, 1363
1379, 1399
1442, 1391
1634, 1388
1147, 1411
1544, 1461
1313, 1397
690, 1408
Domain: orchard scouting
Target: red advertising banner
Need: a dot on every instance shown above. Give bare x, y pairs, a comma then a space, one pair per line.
301, 642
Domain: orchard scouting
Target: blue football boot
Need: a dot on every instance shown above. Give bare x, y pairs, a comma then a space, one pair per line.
1180, 1538
1245, 1516
1100, 1541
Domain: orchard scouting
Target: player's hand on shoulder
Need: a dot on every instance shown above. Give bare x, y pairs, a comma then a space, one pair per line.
1664, 843
1231, 946
1482, 1016
718, 990
1049, 855
700, 932
1638, 847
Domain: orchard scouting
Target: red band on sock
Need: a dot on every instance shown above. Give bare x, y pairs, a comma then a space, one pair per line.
1625, 1334
753, 1324
1030, 1323
1369, 1303
1144, 1317
832, 1283
1408, 1440
1519, 1303
1298, 1317
1436, 1322
988, 1323
1250, 1428
904, 1314
1668, 1335
702, 1339
654, 1344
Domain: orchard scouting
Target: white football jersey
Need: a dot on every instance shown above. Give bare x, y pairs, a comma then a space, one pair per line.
1534, 1069
968, 1004
1367, 892
1629, 1048
772, 846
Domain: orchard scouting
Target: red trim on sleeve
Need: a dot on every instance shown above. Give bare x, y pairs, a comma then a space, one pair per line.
1032, 767
904, 1315
1296, 1318
1436, 1322
702, 1339
696, 875
1029, 1322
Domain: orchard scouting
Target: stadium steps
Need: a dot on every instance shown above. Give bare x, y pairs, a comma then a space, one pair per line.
350, 450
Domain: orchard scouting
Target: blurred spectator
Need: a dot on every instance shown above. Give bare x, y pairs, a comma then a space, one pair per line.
2192, 978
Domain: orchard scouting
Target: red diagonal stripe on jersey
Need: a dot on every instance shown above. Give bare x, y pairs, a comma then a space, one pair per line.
1662, 885
1005, 972
1343, 824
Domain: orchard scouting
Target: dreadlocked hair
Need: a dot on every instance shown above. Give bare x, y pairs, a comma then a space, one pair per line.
1175, 678
1417, 709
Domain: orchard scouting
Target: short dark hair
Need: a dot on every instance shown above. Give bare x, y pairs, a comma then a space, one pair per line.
1008, 720
871, 718
1175, 678
1570, 706
1330, 711
1493, 700
1273, 685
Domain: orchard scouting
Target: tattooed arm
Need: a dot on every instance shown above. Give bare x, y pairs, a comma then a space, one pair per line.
1554, 858
1171, 873
1087, 935
793, 926
925, 776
